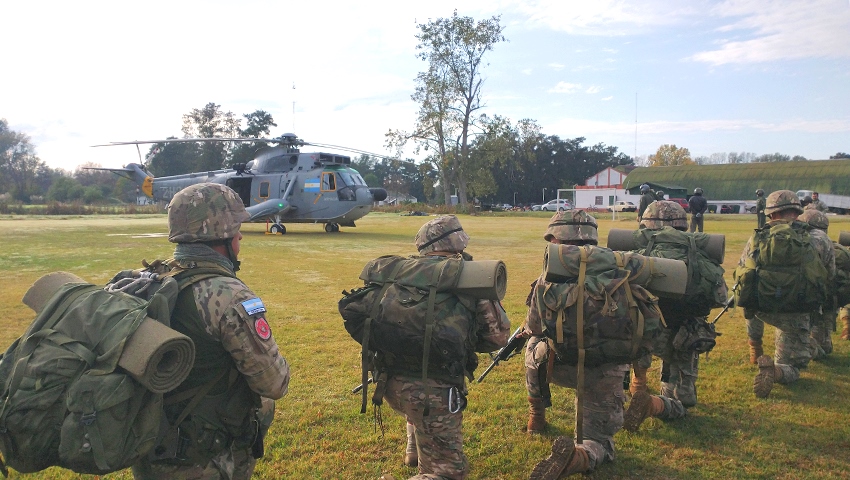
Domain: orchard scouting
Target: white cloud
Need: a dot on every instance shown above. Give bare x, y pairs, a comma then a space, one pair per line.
556, 66
526, 71
608, 98
593, 89
780, 30
605, 17
564, 87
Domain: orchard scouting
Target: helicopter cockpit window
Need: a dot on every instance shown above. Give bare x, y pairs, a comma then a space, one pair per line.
328, 182
277, 164
264, 190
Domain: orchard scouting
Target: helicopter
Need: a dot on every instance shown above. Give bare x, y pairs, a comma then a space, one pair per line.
280, 185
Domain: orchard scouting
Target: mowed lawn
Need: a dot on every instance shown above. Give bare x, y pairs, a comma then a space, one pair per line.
801, 431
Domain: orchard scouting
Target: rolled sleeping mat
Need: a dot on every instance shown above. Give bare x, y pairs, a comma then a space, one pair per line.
623, 240
487, 279
157, 356
663, 277
844, 239
45, 287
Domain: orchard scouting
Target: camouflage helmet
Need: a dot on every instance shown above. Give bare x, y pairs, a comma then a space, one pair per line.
572, 225
815, 218
782, 200
205, 212
662, 213
442, 234
759, 192
806, 200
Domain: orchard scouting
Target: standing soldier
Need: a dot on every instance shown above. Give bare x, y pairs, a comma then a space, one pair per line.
792, 343
218, 435
659, 194
817, 203
646, 198
438, 434
760, 204
697, 204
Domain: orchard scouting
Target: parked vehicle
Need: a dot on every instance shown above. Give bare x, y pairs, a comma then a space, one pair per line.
622, 206
683, 202
557, 205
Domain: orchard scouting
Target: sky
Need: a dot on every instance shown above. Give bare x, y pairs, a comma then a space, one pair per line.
760, 76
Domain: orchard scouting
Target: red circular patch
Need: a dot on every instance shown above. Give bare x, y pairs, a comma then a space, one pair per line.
263, 329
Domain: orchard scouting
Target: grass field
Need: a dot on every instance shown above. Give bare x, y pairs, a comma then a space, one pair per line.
800, 431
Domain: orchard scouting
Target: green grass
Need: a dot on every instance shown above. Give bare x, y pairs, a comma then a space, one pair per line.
800, 431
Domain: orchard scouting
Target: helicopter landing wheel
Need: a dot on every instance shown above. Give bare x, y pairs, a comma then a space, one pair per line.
277, 228
331, 227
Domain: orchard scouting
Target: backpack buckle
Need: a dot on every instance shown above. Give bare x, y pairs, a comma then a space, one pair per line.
88, 418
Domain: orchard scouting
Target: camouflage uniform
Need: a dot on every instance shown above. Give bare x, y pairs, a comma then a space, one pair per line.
823, 321
439, 436
237, 358
793, 349
817, 204
761, 203
602, 414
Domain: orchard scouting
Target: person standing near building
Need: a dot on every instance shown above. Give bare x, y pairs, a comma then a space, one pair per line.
646, 198
219, 434
698, 205
760, 204
817, 203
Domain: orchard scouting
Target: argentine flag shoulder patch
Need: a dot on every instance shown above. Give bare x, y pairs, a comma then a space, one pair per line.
253, 306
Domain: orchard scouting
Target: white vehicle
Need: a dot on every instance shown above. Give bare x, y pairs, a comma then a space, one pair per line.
623, 206
557, 205
836, 203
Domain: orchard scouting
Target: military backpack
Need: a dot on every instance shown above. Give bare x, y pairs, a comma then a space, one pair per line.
782, 272
842, 274
65, 400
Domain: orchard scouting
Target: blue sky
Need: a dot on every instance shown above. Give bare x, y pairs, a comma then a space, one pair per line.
759, 76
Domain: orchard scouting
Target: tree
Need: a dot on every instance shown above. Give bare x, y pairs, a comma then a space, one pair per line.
20, 167
449, 94
164, 159
777, 157
839, 155
211, 122
259, 124
668, 155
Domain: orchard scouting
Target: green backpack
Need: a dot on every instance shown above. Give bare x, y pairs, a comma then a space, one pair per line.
782, 273
706, 287
598, 315
842, 274
409, 312
65, 400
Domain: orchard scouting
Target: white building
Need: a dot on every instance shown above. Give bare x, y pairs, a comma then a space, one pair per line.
603, 189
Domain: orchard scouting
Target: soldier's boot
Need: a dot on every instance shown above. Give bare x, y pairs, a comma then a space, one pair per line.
565, 460
536, 416
756, 350
642, 406
411, 455
638, 383
768, 374
845, 319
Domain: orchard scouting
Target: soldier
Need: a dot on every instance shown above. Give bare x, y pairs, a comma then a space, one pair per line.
760, 204
823, 322
602, 415
805, 202
679, 367
659, 194
646, 198
217, 433
438, 435
697, 204
792, 350
817, 203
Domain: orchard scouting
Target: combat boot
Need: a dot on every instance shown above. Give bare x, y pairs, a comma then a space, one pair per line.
845, 332
756, 350
536, 416
768, 374
642, 406
411, 454
565, 460
638, 383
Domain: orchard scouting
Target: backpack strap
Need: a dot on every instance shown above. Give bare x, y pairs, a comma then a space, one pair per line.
582, 276
429, 330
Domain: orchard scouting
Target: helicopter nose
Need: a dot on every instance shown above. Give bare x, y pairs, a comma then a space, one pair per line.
379, 194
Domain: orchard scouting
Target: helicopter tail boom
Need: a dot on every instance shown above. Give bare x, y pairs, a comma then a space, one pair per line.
134, 172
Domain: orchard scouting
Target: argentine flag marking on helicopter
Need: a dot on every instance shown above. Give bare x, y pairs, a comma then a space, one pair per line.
312, 185
254, 306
